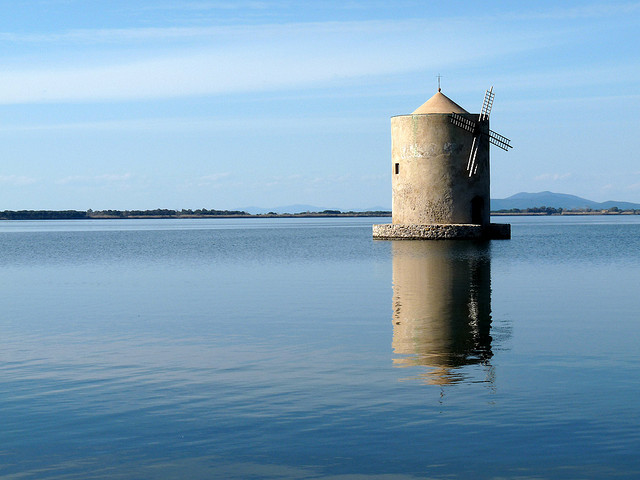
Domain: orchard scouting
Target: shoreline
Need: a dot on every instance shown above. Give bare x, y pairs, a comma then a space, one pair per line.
569, 213
23, 215
79, 215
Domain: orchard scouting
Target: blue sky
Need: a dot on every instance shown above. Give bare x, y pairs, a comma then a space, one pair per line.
227, 104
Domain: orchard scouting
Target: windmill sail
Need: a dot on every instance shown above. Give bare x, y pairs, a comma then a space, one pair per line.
462, 122
487, 104
499, 140
478, 132
471, 164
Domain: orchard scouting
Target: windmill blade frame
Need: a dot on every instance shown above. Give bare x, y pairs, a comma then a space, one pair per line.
478, 131
462, 122
473, 128
487, 104
472, 166
499, 140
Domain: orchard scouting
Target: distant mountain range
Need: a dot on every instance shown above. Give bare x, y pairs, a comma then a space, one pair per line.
524, 200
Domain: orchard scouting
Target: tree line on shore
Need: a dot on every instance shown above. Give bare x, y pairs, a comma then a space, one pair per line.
559, 211
207, 213
95, 214
162, 213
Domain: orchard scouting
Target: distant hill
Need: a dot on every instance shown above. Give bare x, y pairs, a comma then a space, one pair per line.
524, 200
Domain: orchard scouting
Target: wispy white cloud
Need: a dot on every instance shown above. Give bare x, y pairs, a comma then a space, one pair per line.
294, 179
301, 181
217, 5
190, 75
369, 178
213, 180
215, 177
595, 10
17, 180
609, 73
331, 179
205, 124
104, 179
552, 176
267, 57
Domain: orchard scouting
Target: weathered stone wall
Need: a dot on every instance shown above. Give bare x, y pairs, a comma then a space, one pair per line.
391, 231
433, 231
430, 182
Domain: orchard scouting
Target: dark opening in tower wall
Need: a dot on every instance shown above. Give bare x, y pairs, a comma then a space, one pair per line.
477, 210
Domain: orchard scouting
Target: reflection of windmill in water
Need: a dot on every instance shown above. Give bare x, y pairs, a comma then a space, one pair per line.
442, 307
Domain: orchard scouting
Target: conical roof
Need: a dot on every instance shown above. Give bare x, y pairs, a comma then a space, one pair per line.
439, 103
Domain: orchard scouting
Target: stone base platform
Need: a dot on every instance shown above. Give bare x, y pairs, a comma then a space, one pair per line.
391, 231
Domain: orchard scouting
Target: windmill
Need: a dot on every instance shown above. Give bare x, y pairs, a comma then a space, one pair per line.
480, 131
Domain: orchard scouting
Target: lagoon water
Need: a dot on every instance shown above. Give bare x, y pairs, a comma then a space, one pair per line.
303, 349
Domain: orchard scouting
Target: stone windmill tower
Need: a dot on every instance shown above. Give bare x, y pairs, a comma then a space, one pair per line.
440, 173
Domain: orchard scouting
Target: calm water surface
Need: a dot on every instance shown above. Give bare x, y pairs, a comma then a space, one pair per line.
301, 348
